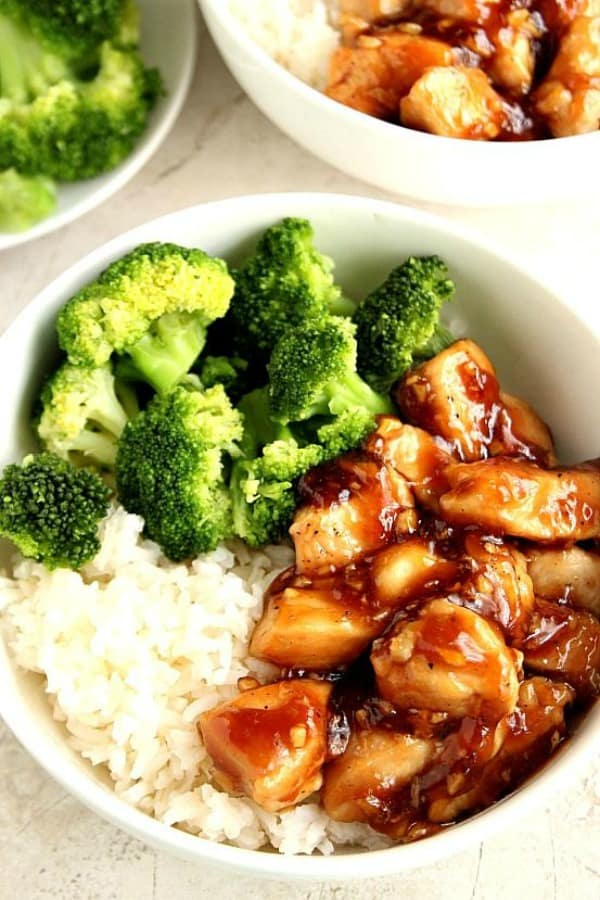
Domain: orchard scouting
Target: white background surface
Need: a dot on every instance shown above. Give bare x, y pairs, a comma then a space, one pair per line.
50, 846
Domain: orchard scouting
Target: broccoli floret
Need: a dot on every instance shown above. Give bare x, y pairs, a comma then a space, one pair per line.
75, 28
153, 305
51, 510
55, 118
228, 371
82, 418
263, 490
285, 284
312, 372
76, 130
346, 432
399, 322
171, 469
24, 200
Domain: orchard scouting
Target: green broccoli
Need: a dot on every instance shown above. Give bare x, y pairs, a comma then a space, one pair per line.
345, 432
228, 371
285, 284
171, 468
312, 372
51, 510
82, 417
75, 28
154, 306
59, 117
24, 200
398, 323
263, 490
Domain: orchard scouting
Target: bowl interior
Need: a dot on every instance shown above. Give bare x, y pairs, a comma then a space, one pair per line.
542, 350
168, 42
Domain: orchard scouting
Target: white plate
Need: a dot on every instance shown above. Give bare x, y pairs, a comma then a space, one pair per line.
544, 351
169, 42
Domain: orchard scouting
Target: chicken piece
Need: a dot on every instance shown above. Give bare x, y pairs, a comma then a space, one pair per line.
456, 396
416, 455
408, 571
374, 75
513, 63
475, 11
362, 784
499, 587
454, 101
518, 498
373, 10
449, 660
348, 508
319, 623
558, 14
564, 643
569, 97
521, 432
571, 575
270, 743
521, 742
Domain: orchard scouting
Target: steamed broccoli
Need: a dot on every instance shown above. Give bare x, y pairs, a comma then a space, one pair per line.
398, 324
263, 490
75, 28
285, 284
312, 372
154, 306
51, 510
82, 417
228, 371
171, 468
74, 93
24, 200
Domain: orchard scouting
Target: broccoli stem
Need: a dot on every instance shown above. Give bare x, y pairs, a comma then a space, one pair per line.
166, 353
342, 306
13, 52
259, 427
352, 393
100, 446
441, 338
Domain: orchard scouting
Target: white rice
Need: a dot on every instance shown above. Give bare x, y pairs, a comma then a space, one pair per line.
133, 649
298, 34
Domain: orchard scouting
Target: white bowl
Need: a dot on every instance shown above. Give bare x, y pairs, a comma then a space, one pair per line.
415, 165
543, 351
168, 42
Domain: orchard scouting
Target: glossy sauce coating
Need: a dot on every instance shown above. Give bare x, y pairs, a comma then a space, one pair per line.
390, 51
429, 677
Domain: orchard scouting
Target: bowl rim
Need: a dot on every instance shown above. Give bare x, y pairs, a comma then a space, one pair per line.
516, 151
145, 148
345, 866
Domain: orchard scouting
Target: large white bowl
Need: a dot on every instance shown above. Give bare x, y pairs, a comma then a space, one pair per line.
415, 165
169, 42
543, 351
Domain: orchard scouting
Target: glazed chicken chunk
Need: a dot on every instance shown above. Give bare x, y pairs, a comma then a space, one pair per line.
454, 101
410, 570
374, 75
571, 575
498, 586
513, 62
455, 395
449, 660
317, 624
270, 742
417, 456
518, 498
521, 739
569, 97
564, 643
375, 766
349, 508
521, 432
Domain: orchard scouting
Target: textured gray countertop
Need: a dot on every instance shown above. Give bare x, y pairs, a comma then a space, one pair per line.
51, 846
